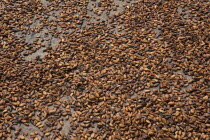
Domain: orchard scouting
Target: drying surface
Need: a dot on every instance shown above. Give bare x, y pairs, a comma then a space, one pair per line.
98, 69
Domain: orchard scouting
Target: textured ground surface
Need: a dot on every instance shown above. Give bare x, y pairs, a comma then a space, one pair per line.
104, 69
